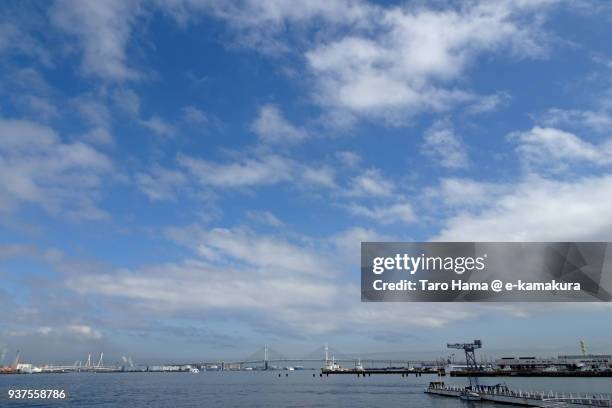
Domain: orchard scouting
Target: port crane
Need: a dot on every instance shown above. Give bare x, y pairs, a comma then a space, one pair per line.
470, 357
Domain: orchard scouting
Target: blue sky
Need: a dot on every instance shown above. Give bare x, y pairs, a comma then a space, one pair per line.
190, 179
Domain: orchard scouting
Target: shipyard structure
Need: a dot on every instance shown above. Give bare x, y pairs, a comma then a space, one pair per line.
588, 362
583, 365
591, 365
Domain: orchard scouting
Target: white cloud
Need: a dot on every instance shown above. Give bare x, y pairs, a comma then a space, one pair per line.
383, 61
321, 176
488, 103
279, 293
265, 217
14, 40
265, 170
444, 146
8, 251
92, 110
37, 167
391, 214
554, 149
159, 183
271, 127
195, 286
405, 61
348, 158
602, 60
103, 30
81, 331
294, 287
31, 79
348, 242
371, 183
269, 253
194, 115
84, 331
38, 105
600, 120
265, 24
458, 192
275, 13
96, 114
267, 280
127, 100
256, 169
538, 209
158, 126
99, 135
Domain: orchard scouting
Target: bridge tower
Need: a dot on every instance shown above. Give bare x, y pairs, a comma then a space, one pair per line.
17, 359
265, 356
326, 353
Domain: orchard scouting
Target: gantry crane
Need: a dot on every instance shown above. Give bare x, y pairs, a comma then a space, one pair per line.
470, 357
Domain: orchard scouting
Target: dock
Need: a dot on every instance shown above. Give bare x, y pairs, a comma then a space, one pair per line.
501, 394
391, 370
531, 373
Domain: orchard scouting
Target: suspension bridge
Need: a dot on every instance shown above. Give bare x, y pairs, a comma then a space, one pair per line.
266, 358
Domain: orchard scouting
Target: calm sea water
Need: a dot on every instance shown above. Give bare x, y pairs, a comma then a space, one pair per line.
260, 389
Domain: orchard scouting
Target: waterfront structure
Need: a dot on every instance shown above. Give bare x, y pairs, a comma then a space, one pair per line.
589, 362
501, 394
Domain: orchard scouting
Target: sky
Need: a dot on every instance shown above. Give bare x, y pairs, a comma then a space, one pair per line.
191, 179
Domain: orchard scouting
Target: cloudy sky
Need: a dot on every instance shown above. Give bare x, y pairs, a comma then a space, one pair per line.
192, 178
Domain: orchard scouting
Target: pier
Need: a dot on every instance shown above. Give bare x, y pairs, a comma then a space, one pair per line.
500, 393
392, 370
502, 373
503, 395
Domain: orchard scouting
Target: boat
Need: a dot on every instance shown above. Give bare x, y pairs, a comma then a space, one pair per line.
194, 370
359, 366
451, 368
468, 395
332, 365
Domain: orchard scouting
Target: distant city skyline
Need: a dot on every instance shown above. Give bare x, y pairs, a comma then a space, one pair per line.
192, 178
